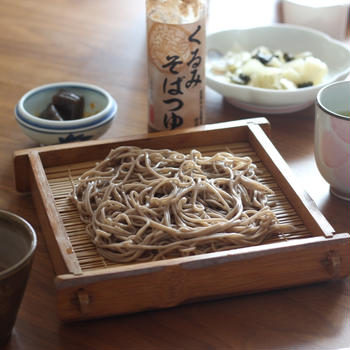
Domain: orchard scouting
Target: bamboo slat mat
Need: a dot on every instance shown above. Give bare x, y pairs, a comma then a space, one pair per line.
62, 178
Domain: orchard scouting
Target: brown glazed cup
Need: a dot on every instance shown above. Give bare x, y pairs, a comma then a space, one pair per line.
17, 246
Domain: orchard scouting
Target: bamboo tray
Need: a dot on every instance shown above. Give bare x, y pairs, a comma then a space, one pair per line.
88, 286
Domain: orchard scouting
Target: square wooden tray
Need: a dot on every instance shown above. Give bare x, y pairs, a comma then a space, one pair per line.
89, 286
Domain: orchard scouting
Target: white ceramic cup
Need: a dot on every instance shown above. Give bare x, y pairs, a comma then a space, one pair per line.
332, 137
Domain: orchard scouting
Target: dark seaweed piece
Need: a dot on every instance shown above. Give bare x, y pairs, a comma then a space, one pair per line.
288, 57
306, 84
245, 78
50, 112
263, 58
69, 104
241, 79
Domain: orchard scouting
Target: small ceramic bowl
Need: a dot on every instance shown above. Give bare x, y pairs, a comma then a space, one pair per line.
100, 109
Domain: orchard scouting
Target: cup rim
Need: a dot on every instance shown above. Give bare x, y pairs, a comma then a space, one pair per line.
325, 109
6, 214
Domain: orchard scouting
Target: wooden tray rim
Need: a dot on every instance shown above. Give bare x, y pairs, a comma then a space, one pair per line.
81, 294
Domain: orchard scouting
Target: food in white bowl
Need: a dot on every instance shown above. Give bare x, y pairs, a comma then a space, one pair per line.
65, 105
270, 69
93, 120
282, 37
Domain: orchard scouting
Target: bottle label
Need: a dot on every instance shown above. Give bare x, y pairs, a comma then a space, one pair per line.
176, 73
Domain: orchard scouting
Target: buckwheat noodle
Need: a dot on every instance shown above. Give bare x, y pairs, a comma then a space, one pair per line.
143, 204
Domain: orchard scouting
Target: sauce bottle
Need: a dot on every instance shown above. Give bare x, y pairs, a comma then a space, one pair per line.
176, 63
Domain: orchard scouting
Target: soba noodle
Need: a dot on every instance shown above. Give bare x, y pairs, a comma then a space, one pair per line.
143, 204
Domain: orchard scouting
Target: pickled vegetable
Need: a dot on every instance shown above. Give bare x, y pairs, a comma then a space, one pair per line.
270, 69
65, 105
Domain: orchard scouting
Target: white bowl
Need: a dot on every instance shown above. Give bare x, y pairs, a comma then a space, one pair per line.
291, 39
99, 105
328, 16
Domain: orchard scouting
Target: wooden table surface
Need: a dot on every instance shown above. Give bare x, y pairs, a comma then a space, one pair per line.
103, 43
